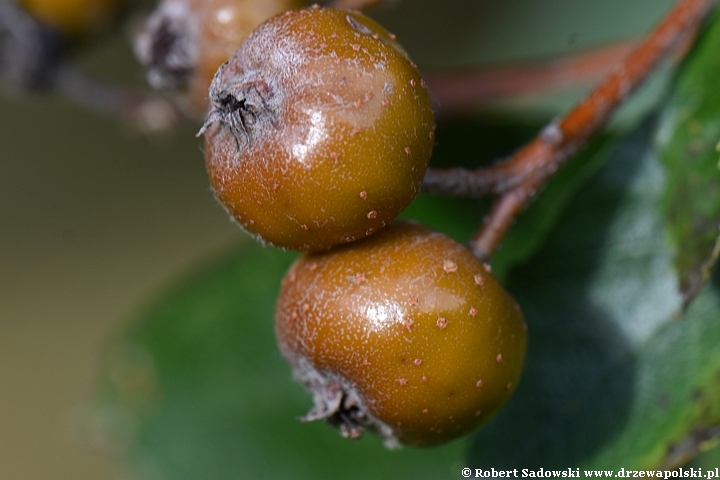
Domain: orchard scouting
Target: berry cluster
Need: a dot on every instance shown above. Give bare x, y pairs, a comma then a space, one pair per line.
318, 135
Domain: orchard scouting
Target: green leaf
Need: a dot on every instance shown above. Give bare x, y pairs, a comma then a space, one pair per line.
688, 142
536, 223
614, 376
196, 389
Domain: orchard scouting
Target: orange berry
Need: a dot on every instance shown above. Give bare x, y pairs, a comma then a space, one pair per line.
320, 130
398, 353
74, 17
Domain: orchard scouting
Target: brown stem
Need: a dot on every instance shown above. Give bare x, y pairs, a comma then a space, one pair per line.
460, 90
531, 166
149, 111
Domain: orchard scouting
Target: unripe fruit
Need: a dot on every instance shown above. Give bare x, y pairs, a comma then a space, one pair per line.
320, 132
74, 17
185, 41
404, 333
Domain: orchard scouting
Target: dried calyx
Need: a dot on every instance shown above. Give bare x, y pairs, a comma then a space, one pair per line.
168, 47
239, 107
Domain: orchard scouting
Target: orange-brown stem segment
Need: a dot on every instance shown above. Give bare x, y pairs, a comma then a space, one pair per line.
518, 178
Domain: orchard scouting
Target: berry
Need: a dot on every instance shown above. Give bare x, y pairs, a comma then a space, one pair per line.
74, 17
185, 41
320, 131
404, 333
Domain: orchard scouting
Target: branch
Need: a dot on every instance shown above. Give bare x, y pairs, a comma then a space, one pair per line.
528, 169
147, 110
461, 90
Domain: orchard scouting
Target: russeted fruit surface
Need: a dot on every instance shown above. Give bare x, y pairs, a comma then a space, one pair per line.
185, 41
320, 130
404, 333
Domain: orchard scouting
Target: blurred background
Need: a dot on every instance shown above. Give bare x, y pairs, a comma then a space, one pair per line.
96, 217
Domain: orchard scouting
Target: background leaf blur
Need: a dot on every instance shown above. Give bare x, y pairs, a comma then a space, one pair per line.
94, 216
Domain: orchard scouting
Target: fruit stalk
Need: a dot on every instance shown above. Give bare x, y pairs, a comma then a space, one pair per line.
522, 174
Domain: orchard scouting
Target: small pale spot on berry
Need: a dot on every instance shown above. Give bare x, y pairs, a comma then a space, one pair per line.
334, 156
360, 277
441, 323
417, 362
407, 324
479, 280
402, 381
424, 378
487, 267
423, 84
479, 384
251, 222
368, 231
306, 307
313, 266
304, 227
499, 358
413, 83
449, 266
363, 195
358, 103
356, 47
365, 362
385, 102
509, 385
372, 214
349, 239
392, 36
292, 277
473, 311
413, 300
368, 96
413, 64
376, 36
425, 411
407, 150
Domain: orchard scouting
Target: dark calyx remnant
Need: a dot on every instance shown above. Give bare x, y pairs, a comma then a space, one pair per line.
168, 51
240, 109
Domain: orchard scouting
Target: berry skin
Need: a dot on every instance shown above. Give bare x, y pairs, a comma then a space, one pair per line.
74, 17
404, 333
185, 41
320, 131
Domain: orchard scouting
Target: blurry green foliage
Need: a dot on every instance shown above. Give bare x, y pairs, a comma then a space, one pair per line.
623, 367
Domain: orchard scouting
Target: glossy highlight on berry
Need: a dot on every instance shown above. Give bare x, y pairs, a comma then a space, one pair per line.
386, 337
320, 131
